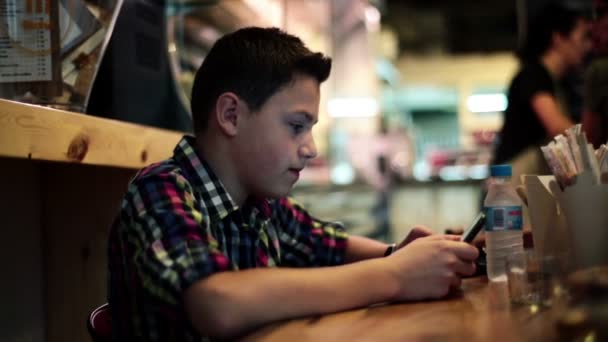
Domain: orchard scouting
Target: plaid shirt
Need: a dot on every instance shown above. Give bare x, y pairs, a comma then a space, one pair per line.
178, 225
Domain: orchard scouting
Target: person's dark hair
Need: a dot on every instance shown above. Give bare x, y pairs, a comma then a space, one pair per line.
551, 19
253, 63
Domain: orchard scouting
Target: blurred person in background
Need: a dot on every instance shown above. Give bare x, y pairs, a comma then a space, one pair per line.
556, 41
595, 116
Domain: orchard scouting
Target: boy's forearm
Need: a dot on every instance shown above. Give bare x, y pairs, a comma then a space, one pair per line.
361, 248
229, 303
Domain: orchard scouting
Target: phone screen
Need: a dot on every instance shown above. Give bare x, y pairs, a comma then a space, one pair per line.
471, 232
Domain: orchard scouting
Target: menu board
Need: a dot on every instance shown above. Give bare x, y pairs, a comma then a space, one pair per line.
25, 41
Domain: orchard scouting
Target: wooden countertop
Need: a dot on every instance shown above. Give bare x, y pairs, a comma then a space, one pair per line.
480, 312
42, 133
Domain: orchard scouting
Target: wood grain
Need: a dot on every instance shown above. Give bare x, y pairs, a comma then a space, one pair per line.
481, 312
41, 133
79, 203
22, 317
55, 223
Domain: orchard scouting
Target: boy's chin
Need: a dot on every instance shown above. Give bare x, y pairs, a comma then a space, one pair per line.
277, 193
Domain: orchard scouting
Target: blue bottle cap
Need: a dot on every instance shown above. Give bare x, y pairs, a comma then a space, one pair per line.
500, 170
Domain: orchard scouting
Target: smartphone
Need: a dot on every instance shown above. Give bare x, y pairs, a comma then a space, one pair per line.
471, 232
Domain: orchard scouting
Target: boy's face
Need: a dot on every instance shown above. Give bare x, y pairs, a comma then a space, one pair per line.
275, 143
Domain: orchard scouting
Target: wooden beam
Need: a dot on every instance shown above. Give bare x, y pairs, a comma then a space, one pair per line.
41, 133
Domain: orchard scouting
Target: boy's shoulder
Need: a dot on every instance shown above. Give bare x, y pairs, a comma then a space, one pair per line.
159, 172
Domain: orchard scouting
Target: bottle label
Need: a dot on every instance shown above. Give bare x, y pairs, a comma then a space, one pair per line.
503, 218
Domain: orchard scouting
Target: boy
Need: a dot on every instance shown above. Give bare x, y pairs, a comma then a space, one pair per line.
206, 243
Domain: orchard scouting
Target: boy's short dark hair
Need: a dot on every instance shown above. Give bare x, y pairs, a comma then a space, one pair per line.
254, 63
553, 18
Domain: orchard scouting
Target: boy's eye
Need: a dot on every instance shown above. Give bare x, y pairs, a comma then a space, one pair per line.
296, 127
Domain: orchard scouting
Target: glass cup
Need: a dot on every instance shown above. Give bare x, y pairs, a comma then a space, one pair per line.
534, 279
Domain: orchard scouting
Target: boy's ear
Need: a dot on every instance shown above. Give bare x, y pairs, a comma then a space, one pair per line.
227, 112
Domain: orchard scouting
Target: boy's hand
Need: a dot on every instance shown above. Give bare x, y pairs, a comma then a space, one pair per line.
415, 233
430, 266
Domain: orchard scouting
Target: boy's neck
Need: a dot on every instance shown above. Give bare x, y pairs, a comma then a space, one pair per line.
219, 159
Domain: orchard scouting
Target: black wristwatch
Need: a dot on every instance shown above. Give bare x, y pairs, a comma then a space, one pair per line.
390, 249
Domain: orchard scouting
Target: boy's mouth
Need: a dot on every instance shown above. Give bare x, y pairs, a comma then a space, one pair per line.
295, 172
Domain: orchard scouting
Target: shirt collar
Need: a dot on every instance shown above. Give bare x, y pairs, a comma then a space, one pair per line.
216, 199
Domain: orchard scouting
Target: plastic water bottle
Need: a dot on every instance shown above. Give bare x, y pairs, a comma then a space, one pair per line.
503, 210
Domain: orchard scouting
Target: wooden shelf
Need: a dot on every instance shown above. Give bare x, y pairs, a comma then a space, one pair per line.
41, 133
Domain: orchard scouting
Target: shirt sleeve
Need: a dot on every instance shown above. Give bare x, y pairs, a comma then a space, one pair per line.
172, 246
535, 80
307, 241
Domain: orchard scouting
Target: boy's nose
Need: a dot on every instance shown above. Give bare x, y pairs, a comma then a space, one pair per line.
309, 149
